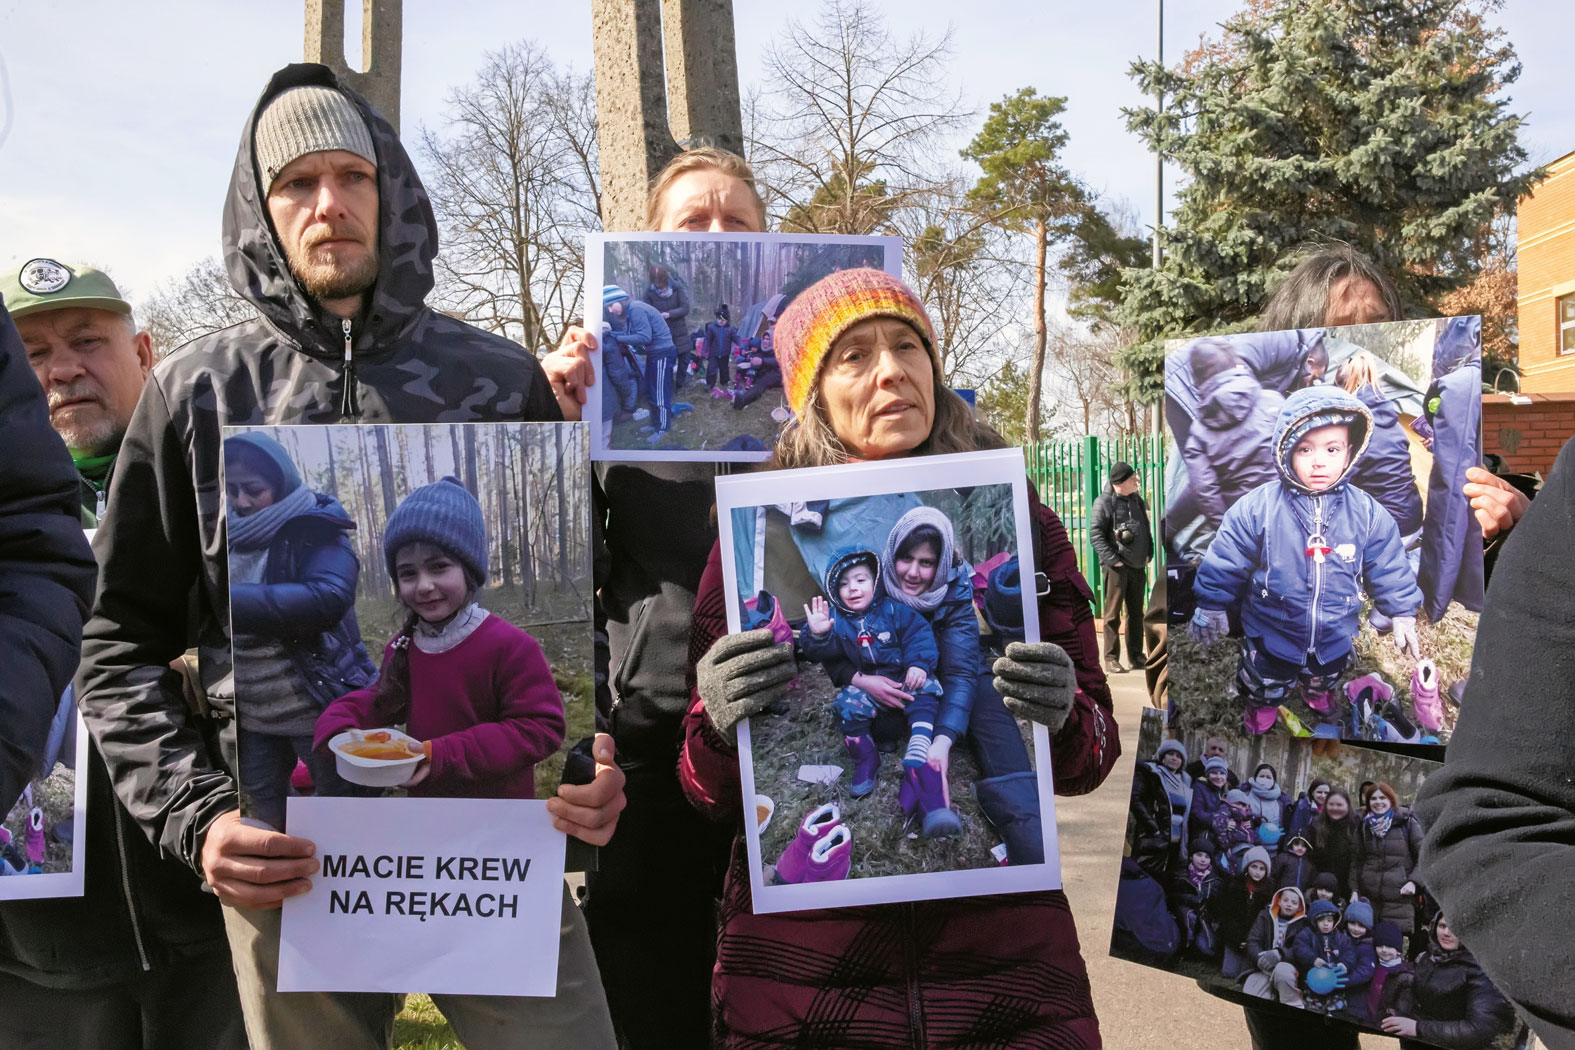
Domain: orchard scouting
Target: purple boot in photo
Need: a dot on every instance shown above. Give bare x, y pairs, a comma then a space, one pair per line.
1425, 702
831, 858
793, 865
930, 795
866, 761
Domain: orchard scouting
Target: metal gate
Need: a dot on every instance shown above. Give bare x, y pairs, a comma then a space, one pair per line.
1071, 473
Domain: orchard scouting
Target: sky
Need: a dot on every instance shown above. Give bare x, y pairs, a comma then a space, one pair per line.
119, 127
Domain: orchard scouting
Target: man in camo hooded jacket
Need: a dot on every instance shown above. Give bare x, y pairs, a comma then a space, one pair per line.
330, 235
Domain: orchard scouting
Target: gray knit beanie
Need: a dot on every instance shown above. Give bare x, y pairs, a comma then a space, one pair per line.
306, 120
445, 515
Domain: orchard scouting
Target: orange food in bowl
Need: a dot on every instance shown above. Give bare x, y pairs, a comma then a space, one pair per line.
761, 813
386, 750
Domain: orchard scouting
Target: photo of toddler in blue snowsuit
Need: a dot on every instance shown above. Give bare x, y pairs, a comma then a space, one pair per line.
863, 627
1294, 557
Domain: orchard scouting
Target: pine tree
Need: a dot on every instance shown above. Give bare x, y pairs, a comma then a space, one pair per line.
1377, 122
1024, 182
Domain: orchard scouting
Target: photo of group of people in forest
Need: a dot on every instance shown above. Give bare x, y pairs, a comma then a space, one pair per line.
1326, 570
688, 325
1287, 869
416, 597
38, 836
897, 605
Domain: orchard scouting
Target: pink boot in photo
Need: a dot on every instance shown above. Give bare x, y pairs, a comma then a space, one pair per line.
37, 848
793, 865
831, 858
1425, 700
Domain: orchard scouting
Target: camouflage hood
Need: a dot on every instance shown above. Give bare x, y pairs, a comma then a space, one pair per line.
407, 238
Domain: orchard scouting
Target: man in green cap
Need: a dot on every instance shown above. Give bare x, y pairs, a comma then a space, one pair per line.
140, 960
91, 360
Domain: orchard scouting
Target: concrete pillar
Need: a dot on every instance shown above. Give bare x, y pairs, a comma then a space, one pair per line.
702, 73
382, 23
645, 111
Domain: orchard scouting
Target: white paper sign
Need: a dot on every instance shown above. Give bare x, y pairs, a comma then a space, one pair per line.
436, 895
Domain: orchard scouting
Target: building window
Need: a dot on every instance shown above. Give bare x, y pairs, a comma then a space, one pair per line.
1566, 311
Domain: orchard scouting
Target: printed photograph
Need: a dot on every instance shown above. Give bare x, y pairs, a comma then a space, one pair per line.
42, 836
410, 608
1326, 568
687, 368
897, 600
1286, 869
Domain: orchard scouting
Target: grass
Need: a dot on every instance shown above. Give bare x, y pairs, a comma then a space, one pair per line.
420, 1026
712, 424
55, 795
808, 735
1203, 681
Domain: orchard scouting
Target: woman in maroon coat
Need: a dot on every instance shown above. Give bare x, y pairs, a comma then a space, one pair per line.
864, 381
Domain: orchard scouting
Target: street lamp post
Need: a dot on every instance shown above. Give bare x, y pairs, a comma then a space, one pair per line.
1159, 154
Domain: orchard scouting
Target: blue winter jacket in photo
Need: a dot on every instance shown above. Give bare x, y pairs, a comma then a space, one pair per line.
958, 654
1260, 563
643, 330
1451, 567
1277, 359
719, 339
1385, 472
1230, 451
1333, 947
1206, 803
885, 639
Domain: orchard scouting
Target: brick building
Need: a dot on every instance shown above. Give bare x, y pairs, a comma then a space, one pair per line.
1546, 259
1528, 436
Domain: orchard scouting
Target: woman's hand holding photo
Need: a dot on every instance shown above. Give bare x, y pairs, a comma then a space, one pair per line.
1038, 682
818, 615
742, 675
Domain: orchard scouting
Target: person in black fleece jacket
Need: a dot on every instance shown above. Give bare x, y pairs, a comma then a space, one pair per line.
1500, 815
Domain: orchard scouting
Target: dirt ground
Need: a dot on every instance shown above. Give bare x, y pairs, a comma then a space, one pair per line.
711, 423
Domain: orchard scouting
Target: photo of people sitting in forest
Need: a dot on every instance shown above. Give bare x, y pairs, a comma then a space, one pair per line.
688, 366
1300, 885
1326, 567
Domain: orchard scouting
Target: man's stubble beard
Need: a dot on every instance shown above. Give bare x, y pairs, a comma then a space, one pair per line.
327, 281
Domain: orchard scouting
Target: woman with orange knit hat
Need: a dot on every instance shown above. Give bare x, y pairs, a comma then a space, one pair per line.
859, 367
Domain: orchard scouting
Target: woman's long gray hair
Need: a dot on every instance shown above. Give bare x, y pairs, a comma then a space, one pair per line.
1302, 299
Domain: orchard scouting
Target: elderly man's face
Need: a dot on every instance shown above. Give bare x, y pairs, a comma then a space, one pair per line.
91, 365
324, 208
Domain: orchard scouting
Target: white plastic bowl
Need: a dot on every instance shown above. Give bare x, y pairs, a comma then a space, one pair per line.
373, 772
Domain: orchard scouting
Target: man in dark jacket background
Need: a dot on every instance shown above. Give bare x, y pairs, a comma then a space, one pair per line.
329, 233
1124, 543
141, 957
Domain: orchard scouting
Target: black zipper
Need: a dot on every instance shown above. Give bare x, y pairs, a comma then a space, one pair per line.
125, 887
349, 399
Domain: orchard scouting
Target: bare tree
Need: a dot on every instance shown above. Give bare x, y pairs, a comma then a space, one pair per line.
853, 114
194, 304
1082, 366
513, 181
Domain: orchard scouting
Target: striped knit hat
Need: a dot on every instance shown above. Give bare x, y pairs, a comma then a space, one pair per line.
308, 119
823, 311
611, 293
445, 515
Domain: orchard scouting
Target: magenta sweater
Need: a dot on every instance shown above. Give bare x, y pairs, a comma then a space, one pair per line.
489, 706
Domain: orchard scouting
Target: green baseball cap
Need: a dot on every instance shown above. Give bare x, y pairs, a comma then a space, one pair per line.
46, 284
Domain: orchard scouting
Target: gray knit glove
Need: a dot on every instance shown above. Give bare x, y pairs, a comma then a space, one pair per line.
742, 675
1038, 682
1268, 960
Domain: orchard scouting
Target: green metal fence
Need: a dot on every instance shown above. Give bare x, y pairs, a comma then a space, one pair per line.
1071, 473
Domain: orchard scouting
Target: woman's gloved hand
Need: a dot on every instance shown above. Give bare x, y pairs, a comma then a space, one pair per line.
742, 675
1209, 625
1038, 682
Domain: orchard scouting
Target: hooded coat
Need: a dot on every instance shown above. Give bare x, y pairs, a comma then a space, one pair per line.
1334, 948
675, 304
1258, 562
1261, 937
995, 970
408, 363
1238, 907
1451, 568
642, 329
1230, 451
1290, 870
1278, 360
886, 638
1385, 472
1207, 801
1381, 866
